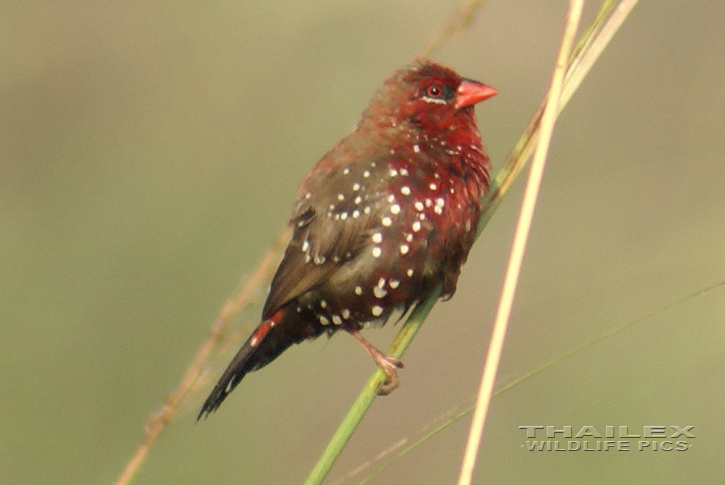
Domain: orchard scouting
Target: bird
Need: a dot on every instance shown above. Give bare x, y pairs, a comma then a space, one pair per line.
382, 219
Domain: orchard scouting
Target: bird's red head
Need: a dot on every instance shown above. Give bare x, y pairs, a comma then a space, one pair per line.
428, 96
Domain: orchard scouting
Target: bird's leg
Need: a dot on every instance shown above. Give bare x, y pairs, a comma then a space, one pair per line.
387, 363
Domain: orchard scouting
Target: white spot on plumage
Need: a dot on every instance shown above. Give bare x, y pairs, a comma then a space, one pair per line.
386, 221
366, 210
341, 196
355, 214
379, 292
404, 248
306, 245
431, 185
356, 186
366, 173
376, 310
395, 209
358, 290
409, 273
405, 190
323, 320
409, 237
394, 284
346, 313
377, 238
404, 172
308, 195
336, 320
416, 148
416, 226
346, 171
358, 199
323, 303
377, 252
393, 172
343, 215
419, 205
440, 202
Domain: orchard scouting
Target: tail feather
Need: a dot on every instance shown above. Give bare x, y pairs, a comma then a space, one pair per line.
239, 366
268, 340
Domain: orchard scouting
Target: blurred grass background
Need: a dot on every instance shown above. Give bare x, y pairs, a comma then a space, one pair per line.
150, 152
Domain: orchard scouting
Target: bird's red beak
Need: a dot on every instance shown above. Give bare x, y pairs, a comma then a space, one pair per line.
472, 92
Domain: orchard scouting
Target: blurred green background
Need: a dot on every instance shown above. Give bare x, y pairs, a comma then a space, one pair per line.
150, 152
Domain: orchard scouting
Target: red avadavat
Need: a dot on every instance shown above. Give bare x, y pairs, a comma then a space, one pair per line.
385, 216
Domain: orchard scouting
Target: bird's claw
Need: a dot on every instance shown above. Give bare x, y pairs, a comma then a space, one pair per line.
389, 365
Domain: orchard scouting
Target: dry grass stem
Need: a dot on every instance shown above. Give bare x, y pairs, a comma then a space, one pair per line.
461, 20
194, 374
526, 216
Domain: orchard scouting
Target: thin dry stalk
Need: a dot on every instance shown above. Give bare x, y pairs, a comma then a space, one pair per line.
462, 19
194, 373
526, 216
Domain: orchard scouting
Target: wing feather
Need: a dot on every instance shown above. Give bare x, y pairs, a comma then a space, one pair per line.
331, 227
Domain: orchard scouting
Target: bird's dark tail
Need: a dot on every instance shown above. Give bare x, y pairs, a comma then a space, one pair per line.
269, 339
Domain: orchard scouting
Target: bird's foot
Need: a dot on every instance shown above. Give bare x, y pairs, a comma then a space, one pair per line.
389, 366
387, 363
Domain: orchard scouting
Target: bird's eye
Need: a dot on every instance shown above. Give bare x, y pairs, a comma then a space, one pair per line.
434, 91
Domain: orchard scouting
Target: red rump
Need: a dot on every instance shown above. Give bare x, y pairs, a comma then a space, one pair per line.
384, 217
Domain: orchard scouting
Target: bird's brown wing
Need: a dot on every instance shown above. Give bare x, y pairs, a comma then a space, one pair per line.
328, 232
